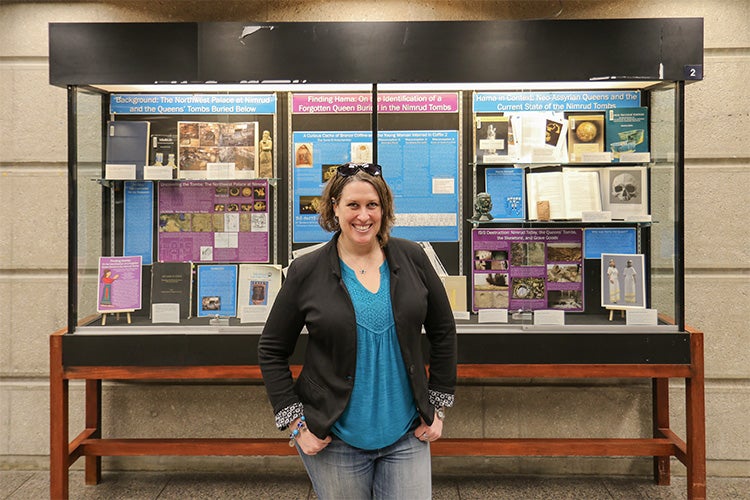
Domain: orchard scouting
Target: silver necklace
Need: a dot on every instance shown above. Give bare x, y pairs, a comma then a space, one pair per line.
361, 269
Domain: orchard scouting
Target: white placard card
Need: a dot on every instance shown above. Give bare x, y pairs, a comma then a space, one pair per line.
594, 216
160, 172
641, 317
165, 313
219, 171
549, 317
493, 316
115, 171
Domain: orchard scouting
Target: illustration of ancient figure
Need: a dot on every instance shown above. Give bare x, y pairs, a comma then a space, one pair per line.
107, 280
614, 282
629, 278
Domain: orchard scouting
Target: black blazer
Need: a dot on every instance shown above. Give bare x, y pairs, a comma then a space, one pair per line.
314, 296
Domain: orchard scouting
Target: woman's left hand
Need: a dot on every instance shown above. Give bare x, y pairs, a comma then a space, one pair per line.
429, 433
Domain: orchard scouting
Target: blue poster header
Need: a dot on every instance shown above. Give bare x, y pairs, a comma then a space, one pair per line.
562, 101
192, 104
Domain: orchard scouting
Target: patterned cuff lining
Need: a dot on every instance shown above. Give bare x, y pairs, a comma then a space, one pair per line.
288, 414
439, 399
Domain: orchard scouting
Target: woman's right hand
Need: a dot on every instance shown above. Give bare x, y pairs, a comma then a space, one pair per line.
308, 442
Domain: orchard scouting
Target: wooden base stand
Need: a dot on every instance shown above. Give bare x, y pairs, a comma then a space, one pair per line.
117, 316
663, 444
612, 312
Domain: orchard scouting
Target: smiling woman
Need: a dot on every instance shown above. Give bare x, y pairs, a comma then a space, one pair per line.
361, 403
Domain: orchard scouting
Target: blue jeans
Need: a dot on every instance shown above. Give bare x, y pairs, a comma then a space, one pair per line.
402, 470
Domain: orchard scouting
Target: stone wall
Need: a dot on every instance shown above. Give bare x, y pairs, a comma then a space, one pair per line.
33, 249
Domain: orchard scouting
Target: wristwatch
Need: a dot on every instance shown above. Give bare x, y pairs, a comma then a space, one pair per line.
440, 412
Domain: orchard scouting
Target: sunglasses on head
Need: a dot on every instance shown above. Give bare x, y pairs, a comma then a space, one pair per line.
349, 169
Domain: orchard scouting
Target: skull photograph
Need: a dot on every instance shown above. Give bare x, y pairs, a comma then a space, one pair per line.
626, 188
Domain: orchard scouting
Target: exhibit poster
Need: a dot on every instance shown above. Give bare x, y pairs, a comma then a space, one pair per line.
505, 186
210, 150
546, 136
623, 283
421, 168
217, 290
599, 240
138, 220
119, 284
213, 221
527, 269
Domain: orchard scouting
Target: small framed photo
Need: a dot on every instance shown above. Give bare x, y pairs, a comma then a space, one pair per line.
623, 284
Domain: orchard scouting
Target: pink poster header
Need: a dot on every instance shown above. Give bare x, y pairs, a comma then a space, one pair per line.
419, 102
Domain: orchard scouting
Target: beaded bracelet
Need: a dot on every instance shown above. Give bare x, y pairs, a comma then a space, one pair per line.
301, 426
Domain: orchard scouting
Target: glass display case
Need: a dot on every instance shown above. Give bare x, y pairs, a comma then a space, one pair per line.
527, 177
581, 167
536, 252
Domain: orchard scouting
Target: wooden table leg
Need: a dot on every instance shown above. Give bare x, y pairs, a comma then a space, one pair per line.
696, 421
93, 421
59, 456
660, 420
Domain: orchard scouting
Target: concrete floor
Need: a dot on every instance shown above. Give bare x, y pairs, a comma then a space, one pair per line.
34, 485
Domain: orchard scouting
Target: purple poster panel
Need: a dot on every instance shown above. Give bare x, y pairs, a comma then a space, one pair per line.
119, 284
214, 221
527, 269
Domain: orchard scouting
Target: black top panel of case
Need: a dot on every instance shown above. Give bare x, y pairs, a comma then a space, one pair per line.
375, 52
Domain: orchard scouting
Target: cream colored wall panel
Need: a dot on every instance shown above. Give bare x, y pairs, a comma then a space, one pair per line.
6, 137
586, 411
550, 466
6, 208
6, 296
39, 220
718, 108
401, 10
589, 412
465, 418
28, 414
35, 113
719, 306
28, 417
156, 410
5, 424
716, 232
38, 308
725, 22
727, 408
25, 30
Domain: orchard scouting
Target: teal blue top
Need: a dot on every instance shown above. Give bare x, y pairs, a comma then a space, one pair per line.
381, 408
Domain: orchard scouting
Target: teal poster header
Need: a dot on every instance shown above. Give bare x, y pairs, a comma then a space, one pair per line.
561, 101
192, 104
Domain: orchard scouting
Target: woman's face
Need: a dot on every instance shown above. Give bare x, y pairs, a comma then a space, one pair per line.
360, 213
